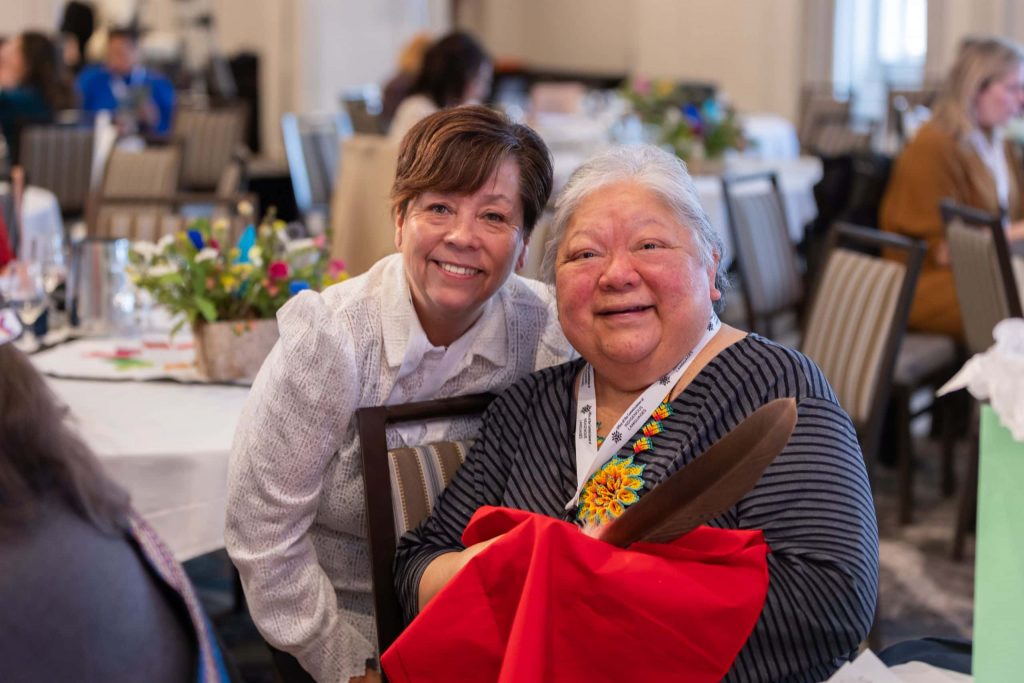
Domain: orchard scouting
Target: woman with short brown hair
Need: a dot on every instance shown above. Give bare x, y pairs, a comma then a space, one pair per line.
444, 317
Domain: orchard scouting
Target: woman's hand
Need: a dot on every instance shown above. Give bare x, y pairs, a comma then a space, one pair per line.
444, 567
371, 676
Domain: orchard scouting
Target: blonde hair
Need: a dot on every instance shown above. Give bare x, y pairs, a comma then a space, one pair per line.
979, 62
411, 57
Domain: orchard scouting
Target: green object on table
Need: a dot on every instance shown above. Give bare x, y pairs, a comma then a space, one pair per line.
999, 573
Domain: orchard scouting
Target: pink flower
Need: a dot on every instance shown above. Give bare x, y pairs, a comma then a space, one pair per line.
213, 243
335, 267
319, 241
642, 86
278, 270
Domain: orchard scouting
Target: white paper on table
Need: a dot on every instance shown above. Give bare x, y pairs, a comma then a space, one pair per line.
866, 668
919, 672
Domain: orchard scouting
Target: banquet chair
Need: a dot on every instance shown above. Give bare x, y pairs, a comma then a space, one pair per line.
987, 291
59, 158
901, 103
401, 486
363, 230
312, 143
363, 107
136, 182
856, 320
765, 259
210, 140
819, 106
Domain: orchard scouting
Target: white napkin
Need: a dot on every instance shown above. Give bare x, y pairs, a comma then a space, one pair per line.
868, 668
998, 376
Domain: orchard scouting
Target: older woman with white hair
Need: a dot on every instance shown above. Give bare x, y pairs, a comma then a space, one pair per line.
635, 264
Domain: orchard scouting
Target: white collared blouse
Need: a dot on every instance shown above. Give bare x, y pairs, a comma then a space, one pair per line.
296, 526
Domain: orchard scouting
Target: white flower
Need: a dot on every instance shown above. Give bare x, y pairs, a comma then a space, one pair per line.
299, 244
165, 241
207, 254
147, 250
245, 208
161, 270
256, 257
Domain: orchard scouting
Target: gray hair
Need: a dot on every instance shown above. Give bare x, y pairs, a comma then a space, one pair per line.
653, 169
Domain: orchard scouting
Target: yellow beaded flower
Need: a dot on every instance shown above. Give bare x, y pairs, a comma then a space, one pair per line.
610, 491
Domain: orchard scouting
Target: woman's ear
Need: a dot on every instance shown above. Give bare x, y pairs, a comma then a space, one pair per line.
399, 225
521, 261
716, 293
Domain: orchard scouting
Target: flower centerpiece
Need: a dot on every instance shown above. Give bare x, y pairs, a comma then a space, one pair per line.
230, 292
687, 119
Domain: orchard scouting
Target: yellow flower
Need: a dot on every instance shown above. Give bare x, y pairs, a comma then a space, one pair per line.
228, 281
663, 87
610, 491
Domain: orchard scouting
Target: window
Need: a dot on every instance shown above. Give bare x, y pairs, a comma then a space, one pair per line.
877, 44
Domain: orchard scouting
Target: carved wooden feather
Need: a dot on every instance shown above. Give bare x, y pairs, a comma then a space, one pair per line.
711, 484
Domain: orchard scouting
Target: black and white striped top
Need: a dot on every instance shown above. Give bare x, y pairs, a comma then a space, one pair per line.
813, 503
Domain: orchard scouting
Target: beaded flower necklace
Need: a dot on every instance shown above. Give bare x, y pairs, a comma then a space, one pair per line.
617, 484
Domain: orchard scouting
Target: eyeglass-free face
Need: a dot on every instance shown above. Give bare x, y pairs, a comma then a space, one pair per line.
458, 250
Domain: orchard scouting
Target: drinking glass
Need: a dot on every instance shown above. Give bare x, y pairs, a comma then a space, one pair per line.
23, 289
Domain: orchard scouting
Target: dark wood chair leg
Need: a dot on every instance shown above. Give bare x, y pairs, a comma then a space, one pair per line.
905, 453
948, 462
968, 510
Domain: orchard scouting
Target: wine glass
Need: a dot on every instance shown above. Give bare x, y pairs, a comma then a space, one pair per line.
49, 255
23, 289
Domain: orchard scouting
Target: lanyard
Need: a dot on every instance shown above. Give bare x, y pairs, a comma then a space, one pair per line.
120, 86
590, 458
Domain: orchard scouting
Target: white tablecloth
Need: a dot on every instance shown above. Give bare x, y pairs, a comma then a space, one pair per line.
40, 216
771, 137
167, 444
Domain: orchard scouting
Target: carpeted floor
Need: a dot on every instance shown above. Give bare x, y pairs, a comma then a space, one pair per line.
923, 592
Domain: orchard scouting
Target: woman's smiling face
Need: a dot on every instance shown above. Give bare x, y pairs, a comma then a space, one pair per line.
633, 288
458, 250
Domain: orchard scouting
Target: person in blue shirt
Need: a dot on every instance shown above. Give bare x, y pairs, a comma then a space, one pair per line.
142, 101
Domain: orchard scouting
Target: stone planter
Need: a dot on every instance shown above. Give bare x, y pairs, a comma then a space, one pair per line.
706, 166
233, 350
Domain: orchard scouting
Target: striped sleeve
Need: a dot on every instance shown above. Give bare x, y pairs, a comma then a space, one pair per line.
815, 507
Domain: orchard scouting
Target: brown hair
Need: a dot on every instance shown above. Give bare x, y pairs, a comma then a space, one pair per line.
44, 70
40, 455
457, 150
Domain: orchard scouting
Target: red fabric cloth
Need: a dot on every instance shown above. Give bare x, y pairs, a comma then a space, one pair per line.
6, 254
548, 603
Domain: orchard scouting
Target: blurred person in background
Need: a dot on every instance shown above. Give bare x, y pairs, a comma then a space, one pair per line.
456, 70
32, 85
89, 591
141, 100
409, 62
76, 28
963, 154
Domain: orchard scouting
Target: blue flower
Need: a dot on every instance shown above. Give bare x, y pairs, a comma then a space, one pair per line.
246, 243
711, 111
196, 238
297, 286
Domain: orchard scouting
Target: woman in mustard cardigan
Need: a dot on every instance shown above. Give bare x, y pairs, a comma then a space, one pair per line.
959, 154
